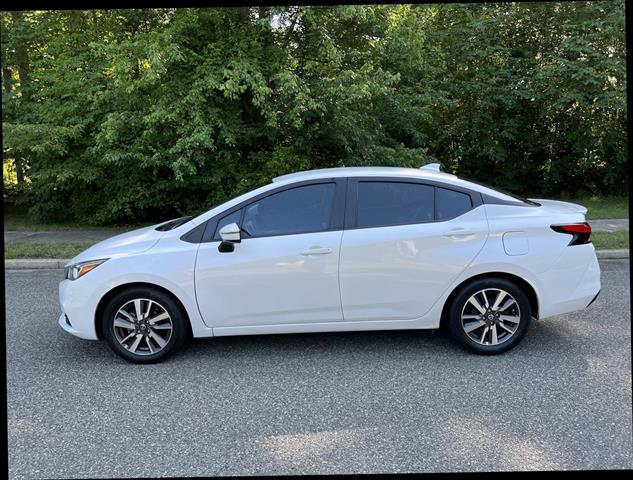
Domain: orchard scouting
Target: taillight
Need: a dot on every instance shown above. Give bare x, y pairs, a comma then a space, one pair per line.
581, 232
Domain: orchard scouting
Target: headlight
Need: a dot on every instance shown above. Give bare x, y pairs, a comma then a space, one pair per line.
73, 272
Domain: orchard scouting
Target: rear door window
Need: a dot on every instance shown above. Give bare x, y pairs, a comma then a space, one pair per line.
382, 204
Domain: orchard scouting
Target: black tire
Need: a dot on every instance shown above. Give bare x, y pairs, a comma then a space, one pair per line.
175, 339
459, 305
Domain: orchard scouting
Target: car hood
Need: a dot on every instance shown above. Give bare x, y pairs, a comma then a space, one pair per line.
136, 241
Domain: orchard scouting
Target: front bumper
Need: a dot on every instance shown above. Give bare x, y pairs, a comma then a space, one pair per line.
66, 325
594, 298
78, 309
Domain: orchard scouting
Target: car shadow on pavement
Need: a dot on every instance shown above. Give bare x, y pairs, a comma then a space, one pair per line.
544, 337
332, 343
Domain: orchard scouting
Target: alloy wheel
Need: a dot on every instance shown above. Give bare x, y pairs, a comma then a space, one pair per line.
490, 316
142, 326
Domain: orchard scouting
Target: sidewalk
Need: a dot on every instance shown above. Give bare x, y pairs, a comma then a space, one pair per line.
613, 225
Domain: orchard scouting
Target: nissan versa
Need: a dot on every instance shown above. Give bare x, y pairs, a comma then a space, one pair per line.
342, 249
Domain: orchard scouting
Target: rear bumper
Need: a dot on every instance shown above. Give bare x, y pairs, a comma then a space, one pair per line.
573, 282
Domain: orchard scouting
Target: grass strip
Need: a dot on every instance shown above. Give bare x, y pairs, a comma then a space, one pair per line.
44, 249
610, 240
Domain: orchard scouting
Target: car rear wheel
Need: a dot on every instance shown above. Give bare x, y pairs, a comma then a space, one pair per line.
489, 316
143, 325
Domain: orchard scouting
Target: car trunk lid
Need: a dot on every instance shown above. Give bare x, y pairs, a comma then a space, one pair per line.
557, 206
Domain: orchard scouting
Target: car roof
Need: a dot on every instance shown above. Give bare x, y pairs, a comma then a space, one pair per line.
364, 172
428, 172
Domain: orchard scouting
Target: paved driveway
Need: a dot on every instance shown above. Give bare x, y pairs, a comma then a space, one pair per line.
318, 403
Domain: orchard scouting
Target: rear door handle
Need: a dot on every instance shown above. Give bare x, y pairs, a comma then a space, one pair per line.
317, 251
458, 232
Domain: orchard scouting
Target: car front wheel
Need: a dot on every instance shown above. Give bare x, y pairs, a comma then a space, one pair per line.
143, 325
489, 316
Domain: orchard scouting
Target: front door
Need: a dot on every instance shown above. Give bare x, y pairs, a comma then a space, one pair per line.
284, 271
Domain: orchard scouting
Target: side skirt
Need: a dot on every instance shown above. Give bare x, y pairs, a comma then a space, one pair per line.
416, 324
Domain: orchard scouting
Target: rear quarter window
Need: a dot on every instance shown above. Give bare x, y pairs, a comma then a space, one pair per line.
451, 204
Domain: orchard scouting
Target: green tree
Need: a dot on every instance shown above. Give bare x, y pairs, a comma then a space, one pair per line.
122, 115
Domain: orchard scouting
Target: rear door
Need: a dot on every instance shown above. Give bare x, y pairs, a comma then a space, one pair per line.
404, 242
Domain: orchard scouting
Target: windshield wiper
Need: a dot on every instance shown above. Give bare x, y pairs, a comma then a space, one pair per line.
170, 225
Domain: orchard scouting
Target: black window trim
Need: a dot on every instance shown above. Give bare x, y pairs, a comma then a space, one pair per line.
337, 216
352, 199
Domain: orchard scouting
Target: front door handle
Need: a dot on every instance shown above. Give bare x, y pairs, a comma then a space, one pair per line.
317, 251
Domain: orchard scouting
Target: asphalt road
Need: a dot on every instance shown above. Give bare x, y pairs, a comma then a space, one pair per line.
318, 403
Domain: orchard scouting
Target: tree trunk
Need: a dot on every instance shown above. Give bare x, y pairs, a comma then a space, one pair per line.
21, 55
22, 63
7, 79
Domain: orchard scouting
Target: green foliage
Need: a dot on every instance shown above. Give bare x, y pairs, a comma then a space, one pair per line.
122, 115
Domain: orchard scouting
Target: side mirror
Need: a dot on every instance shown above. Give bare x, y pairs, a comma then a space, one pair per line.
230, 233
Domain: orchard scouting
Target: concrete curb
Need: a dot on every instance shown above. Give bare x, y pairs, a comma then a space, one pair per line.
35, 263
52, 263
608, 254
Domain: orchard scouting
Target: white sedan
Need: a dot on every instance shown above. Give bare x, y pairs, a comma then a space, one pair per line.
342, 249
